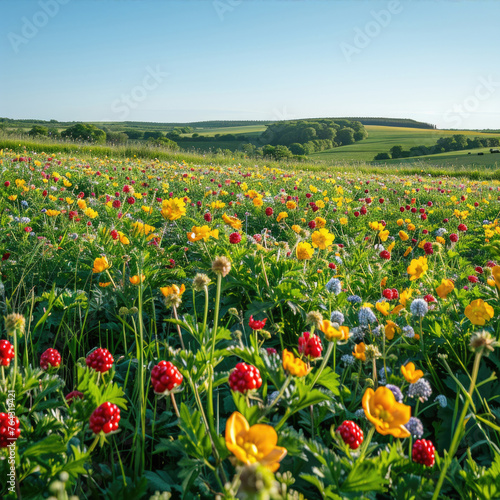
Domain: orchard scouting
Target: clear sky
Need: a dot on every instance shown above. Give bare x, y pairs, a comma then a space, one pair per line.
164, 61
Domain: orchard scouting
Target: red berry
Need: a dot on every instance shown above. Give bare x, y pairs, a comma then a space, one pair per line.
351, 434
331, 265
356, 214
105, 418
73, 395
473, 279
100, 360
9, 429
428, 248
429, 298
490, 263
117, 204
269, 211
312, 224
310, 345
384, 254
478, 269
6, 352
244, 378
462, 227
453, 237
208, 217
50, 357
395, 294
423, 452
165, 377
387, 293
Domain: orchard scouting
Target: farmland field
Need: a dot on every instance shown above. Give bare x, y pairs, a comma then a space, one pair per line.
197, 326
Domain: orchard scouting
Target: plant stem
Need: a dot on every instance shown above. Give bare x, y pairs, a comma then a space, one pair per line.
174, 309
323, 363
458, 431
174, 404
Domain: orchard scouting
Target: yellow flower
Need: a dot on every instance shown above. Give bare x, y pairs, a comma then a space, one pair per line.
322, 239
293, 365
257, 202
400, 222
383, 235
217, 204
403, 236
234, 222
202, 233
441, 240
320, 222
407, 251
173, 208
383, 282
82, 205
291, 205
92, 214
445, 288
281, 216
385, 413
411, 227
343, 221
140, 228
383, 307
104, 284
52, 213
70, 201
135, 280
173, 290
304, 251
359, 351
253, 444
296, 228
13, 197
478, 312
410, 374
495, 272
332, 333
123, 239
417, 268
404, 296
390, 329
148, 210
100, 265
391, 246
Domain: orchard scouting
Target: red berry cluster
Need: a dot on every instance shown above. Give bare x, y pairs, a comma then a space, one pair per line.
244, 378
390, 294
428, 248
310, 345
105, 418
6, 352
385, 254
73, 395
9, 429
351, 434
165, 377
234, 238
423, 452
100, 360
50, 357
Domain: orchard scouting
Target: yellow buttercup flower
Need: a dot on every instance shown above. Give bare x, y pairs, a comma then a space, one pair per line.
52, 213
13, 197
383, 235
173, 208
234, 222
479, 312
332, 333
343, 221
135, 280
320, 222
140, 228
410, 374
281, 216
89, 212
100, 265
291, 205
322, 239
293, 365
495, 272
173, 290
359, 351
417, 268
304, 251
445, 288
253, 444
404, 296
257, 202
385, 413
390, 329
296, 228
403, 236
123, 239
383, 307
82, 205
202, 233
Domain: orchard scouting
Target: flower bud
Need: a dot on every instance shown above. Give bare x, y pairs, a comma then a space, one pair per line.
200, 282
15, 323
221, 265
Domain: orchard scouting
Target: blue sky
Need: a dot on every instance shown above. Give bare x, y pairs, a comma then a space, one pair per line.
164, 61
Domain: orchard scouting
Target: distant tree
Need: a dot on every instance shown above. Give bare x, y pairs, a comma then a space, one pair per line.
268, 150
359, 135
345, 136
297, 149
38, 130
493, 142
84, 132
195, 135
163, 142
460, 142
155, 134
473, 143
281, 152
396, 151
54, 133
134, 135
308, 134
116, 138
173, 135
249, 149
382, 156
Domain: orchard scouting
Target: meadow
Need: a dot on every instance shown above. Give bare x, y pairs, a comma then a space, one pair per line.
207, 326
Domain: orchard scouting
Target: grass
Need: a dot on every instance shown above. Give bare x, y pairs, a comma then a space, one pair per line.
382, 139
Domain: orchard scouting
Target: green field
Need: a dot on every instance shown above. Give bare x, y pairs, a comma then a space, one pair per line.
246, 130
382, 139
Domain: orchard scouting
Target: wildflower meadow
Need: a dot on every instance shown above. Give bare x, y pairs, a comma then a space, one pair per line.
182, 329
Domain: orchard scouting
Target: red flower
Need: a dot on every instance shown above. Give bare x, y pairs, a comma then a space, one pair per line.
384, 254
453, 237
478, 269
117, 204
6, 184
428, 248
473, 279
430, 298
208, 217
269, 211
5, 256
130, 200
462, 227
234, 238
255, 324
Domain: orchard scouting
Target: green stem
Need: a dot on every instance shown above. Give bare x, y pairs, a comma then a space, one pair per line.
14, 375
366, 443
205, 314
278, 397
323, 363
458, 431
94, 444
